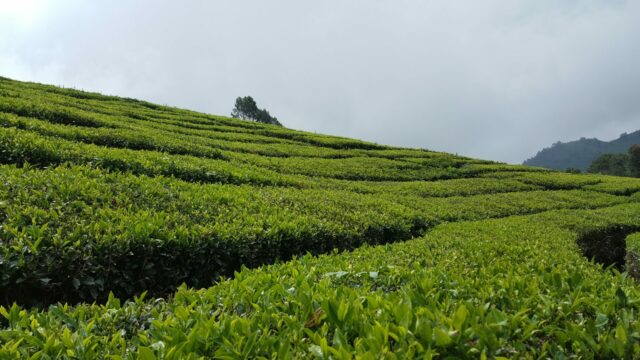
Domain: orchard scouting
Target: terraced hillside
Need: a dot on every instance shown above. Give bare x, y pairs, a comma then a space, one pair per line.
294, 245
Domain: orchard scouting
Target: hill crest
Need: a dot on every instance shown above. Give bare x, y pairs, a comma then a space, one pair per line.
579, 154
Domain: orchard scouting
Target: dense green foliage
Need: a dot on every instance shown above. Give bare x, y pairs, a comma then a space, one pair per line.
611, 164
247, 109
293, 244
618, 164
581, 153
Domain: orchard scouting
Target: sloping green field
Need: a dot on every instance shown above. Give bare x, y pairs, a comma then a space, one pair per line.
294, 245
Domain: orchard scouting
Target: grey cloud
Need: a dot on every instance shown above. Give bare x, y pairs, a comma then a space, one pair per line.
492, 79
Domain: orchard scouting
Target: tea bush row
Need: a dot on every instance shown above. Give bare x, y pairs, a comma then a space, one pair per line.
20, 146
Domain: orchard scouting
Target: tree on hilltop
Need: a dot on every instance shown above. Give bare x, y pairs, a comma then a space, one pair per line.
247, 109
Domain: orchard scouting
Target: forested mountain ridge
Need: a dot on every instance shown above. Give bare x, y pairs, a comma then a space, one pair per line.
579, 154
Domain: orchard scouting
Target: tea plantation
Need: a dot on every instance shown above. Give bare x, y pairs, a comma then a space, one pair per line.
130, 230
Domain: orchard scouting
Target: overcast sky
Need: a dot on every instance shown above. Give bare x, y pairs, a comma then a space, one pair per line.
489, 79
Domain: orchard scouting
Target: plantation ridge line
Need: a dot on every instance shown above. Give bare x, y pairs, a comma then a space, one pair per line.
294, 245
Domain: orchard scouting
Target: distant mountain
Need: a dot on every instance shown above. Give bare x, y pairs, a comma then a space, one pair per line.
580, 153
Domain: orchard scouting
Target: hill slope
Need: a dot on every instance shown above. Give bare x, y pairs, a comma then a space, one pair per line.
581, 153
103, 199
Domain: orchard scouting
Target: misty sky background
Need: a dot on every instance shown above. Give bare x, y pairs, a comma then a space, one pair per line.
489, 79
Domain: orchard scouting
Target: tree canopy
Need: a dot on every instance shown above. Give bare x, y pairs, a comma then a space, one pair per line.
610, 164
624, 164
247, 109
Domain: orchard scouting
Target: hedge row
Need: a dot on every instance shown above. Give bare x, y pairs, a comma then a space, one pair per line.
112, 137
440, 188
19, 146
